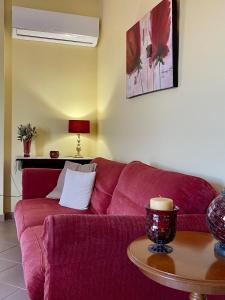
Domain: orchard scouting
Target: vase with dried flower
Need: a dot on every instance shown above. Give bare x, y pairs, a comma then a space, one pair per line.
25, 135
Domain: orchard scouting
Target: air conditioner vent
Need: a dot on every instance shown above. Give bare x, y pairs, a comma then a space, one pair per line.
47, 26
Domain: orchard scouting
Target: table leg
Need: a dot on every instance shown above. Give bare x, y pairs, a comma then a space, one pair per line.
196, 296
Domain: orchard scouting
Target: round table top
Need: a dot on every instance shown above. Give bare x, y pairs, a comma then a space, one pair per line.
193, 265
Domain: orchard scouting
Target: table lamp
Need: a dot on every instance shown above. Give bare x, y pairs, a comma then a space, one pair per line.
78, 127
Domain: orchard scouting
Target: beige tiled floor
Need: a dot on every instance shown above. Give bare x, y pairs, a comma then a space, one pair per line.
12, 285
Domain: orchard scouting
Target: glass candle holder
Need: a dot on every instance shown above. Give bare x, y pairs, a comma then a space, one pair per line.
161, 228
54, 154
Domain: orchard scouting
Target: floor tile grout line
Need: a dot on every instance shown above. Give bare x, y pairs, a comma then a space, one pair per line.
8, 249
15, 286
13, 260
9, 244
8, 268
10, 260
11, 294
6, 242
5, 297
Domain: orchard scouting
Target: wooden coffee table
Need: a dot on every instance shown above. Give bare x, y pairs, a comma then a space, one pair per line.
192, 266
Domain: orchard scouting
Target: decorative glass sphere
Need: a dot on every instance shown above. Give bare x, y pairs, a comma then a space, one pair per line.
216, 222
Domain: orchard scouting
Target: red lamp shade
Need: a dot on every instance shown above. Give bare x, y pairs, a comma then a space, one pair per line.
79, 126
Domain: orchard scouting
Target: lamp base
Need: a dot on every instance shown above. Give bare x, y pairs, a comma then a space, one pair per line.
78, 156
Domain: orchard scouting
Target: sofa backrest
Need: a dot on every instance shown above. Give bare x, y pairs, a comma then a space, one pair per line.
139, 182
107, 175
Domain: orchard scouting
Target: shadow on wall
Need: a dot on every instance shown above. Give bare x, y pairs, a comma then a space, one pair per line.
44, 135
52, 128
112, 140
41, 140
218, 185
51, 123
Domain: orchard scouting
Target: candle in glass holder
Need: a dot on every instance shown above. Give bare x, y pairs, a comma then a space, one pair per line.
160, 203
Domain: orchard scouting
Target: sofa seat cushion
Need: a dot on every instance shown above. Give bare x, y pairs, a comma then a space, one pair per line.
107, 175
32, 212
139, 182
33, 261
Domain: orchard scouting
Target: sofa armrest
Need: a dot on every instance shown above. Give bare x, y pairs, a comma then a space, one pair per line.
67, 237
88, 255
37, 183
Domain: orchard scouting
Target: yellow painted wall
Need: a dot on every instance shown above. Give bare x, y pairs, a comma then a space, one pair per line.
52, 83
5, 101
2, 88
183, 128
8, 103
79, 7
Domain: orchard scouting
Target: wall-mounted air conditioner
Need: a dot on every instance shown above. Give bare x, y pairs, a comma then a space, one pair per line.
48, 26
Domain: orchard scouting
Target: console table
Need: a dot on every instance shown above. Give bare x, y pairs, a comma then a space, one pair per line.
47, 162
192, 266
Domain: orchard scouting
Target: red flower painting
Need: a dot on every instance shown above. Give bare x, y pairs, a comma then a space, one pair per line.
152, 51
160, 21
133, 49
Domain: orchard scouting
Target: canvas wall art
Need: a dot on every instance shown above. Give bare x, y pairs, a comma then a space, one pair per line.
152, 51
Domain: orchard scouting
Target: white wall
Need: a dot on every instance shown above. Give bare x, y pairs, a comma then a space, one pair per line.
182, 128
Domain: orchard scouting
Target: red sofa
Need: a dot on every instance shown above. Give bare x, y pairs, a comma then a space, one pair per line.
81, 255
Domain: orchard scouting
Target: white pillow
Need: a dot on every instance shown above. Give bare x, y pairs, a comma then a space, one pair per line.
57, 191
77, 189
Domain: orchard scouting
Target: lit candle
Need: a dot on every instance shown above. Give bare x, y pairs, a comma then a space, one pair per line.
160, 203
